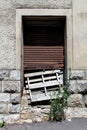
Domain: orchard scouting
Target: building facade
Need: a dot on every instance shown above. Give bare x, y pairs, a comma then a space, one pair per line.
11, 51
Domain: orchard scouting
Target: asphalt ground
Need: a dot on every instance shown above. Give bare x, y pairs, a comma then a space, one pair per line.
74, 124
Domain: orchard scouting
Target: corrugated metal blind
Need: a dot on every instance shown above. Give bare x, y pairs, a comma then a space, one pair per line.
39, 57
44, 48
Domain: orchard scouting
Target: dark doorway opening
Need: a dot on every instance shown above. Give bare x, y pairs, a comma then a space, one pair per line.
44, 45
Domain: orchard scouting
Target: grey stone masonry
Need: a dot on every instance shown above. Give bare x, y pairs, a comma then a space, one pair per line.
11, 86
72, 88
76, 113
11, 118
15, 75
85, 98
3, 108
4, 74
82, 86
4, 97
86, 75
14, 108
9, 75
0, 86
77, 74
15, 98
76, 100
10, 95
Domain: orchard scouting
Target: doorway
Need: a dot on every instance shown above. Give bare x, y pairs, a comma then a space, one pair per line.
44, 53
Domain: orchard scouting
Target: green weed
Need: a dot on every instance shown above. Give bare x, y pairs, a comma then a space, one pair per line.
58, 102
2, 124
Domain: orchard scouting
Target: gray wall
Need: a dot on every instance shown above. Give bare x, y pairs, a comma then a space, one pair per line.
8, 25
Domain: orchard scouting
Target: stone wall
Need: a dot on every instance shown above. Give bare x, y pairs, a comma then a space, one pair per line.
77, 102
10, 89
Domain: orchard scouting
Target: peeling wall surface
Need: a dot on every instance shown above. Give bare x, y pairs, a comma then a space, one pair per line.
10, 78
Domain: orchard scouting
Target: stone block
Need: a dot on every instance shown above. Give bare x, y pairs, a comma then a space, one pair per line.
77, 74
11, 118
26, 121
76, 100
11, 86
4, 74
37, 119
15, 98
4, 97
85, 98
68, 113
86, 74
76, 113
80, 113
45, 111
72, 88
3, 108
0, 86
1, 117
14, 108
82, 86
15, 75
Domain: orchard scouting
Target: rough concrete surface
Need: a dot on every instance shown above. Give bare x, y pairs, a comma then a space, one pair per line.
80, 124
8, 25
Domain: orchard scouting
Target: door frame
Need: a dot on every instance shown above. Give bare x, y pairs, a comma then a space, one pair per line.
43, 12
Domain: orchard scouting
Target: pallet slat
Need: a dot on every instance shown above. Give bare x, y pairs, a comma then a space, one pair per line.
43, 97
42, 73
40, 79
38, 88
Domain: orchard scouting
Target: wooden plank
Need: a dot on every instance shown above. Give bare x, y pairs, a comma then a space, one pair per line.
50, 89
29, 89
47, 84
43, 97
40, 79
44, 86
41, 73
26, 87
34, 80
43, 83
40, 97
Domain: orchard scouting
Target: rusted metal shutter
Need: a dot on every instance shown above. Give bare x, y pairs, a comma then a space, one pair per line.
39, 57
44, 48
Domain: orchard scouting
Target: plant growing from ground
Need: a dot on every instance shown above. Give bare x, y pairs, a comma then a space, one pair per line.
58, 102
2, 124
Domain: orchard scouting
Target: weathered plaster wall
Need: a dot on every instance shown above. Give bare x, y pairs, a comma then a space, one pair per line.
79, 34
8, 25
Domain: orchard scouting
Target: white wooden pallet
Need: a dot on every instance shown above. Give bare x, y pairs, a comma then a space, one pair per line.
42, 80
